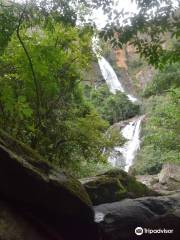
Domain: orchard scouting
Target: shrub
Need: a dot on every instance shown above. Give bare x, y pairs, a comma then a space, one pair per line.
161, 132
164, 80
113, 107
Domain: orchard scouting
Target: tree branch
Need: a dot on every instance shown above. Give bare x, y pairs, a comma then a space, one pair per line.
38, 101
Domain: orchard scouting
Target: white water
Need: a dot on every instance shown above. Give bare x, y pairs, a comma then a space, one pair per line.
131, 131
111, 78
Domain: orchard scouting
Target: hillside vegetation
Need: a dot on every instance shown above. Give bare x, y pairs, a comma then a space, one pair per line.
161, 128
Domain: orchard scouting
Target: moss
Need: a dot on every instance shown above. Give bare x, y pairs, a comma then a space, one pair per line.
23, 150
77, 188
129, 182
115, 173
115, 185
137, 188
108, 188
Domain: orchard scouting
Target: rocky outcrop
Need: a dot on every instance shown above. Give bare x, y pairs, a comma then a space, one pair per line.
114, 185
134, 72
120, 219
120, 125
166, 182
144, 76
93, 75
121, 58
170, 176
38, 190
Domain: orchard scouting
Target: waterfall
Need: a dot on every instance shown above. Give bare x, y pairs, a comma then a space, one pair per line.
127, 153
111, 78
131, 131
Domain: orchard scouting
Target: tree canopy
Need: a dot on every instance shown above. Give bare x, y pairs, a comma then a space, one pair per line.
43, 55
146, 29
42, 60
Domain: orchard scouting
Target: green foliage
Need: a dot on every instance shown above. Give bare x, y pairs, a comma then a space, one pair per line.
162, 81
8, 23
161, 133
146, 30
42, 57
47, 63
88, 168
113, 107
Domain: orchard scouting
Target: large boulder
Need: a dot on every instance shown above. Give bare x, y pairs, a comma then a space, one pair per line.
14, 226
120, 219
114, 185
166, 182
37, 188
170, 176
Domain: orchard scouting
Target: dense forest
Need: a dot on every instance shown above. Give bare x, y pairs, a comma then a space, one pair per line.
70, 93
45, 103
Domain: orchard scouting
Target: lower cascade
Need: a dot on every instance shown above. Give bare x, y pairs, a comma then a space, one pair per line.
122, 156
132, 133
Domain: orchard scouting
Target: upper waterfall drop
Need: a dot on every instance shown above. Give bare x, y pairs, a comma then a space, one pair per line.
111, 78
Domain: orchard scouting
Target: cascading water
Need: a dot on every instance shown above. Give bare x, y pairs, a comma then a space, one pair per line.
131, 131
111, 78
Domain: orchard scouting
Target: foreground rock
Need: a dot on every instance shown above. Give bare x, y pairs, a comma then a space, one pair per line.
13, 225
36, 189
114, 185
166, 182
119, 219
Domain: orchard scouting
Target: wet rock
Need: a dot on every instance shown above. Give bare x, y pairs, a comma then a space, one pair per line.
119, 219
114, 185
120, 125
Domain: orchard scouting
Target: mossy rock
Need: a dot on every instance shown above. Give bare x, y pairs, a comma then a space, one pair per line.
114, 185
32, 183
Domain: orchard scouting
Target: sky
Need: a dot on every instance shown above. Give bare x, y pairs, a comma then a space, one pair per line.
98, 16
127, 5
101, 19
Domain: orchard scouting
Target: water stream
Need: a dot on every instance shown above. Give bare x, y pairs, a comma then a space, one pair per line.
111, 78
122, 156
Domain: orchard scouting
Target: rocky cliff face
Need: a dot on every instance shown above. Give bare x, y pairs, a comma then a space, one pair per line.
93, 75
121, 58
135, 73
